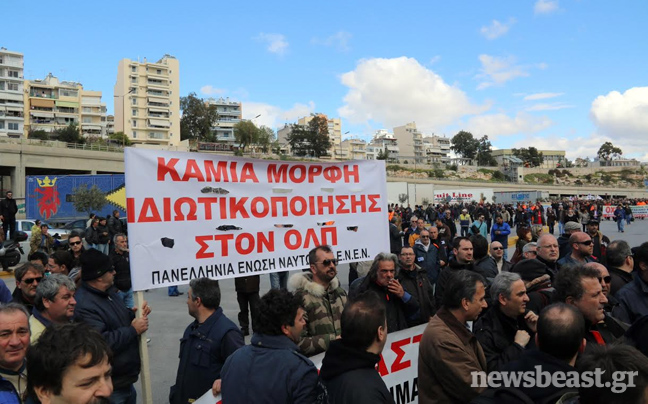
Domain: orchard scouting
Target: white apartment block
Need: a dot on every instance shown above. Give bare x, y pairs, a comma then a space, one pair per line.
110, 125
410, 143
353, 149
147, 101
229, 114
437, 149
12, 109
381, 142
52, 104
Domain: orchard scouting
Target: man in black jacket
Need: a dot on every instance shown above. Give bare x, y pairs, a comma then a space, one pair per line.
99, 306
349, 366
121, 263
505, 330
415, 280
462, 250
620, 262
382, 280
8, 210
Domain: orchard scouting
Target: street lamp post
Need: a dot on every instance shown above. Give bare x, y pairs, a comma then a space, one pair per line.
123, 97
341, 143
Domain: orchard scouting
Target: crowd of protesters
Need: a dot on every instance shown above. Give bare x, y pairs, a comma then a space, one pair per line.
573, 303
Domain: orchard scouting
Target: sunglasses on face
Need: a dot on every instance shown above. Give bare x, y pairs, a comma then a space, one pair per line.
75, 243
31, 280
588, 242
606, 279
425, 236
334, 261
498, 248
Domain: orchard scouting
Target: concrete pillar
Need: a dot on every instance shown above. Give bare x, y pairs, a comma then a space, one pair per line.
18, 179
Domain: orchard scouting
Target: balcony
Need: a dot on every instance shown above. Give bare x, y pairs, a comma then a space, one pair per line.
157, 83
42, 94
91, 112
154, 135
11, 62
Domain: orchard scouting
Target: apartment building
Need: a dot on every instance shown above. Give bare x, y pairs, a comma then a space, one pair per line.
147, 101
353, 149
552, 158
410, 143
437, 149
229, 114
381, 142
110, 125
93, 114
12, 109
52, 104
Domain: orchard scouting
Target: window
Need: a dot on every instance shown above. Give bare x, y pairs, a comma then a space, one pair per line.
134, 135
12, 86
134, 100
159, 71
134, 123
2, 86
13, 73
1, 124
133, 68
87, 119
13, 126
134, 111
133, 79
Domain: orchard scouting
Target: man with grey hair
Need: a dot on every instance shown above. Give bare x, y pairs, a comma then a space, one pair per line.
506, 329
548, 252
530, 250
54, 304
14, 329
381, 279
620, 261
120, 258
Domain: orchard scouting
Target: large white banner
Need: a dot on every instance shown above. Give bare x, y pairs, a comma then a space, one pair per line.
398, 366
193, 215
638, 211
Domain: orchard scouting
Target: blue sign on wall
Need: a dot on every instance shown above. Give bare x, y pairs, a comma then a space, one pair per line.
49, 197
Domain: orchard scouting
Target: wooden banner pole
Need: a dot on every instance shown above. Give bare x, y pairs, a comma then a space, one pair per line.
145, 373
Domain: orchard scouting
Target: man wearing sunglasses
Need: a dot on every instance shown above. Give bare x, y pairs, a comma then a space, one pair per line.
606, 282
28, 276
582, 247
324, 301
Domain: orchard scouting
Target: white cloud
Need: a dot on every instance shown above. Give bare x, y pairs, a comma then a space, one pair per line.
549, 106
273, 116
277, 43
339, 40
498, 70
496, 29
495, 125
541, 96
396, 91
434, 59
210, 90
622, 115
545, 6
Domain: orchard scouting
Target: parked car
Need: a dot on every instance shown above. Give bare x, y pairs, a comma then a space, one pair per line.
26, 226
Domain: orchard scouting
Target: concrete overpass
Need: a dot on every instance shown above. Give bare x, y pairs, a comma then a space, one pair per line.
22, 157
19, 158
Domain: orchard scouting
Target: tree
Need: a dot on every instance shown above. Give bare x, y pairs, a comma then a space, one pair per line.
70, 134
266, 138
465, 145
484, 153
382, 155
530, 156
312, 139
120, 138
580, 162
607, 151
198, 118
246, 133
38, 134
87, 199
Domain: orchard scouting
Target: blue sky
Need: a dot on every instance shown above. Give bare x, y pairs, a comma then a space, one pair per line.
554, 74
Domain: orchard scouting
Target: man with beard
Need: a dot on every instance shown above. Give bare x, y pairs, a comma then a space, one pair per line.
581, 250
497, 252
382, 280
463, 259
70, 364
600, 241
505, 330
324, 300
